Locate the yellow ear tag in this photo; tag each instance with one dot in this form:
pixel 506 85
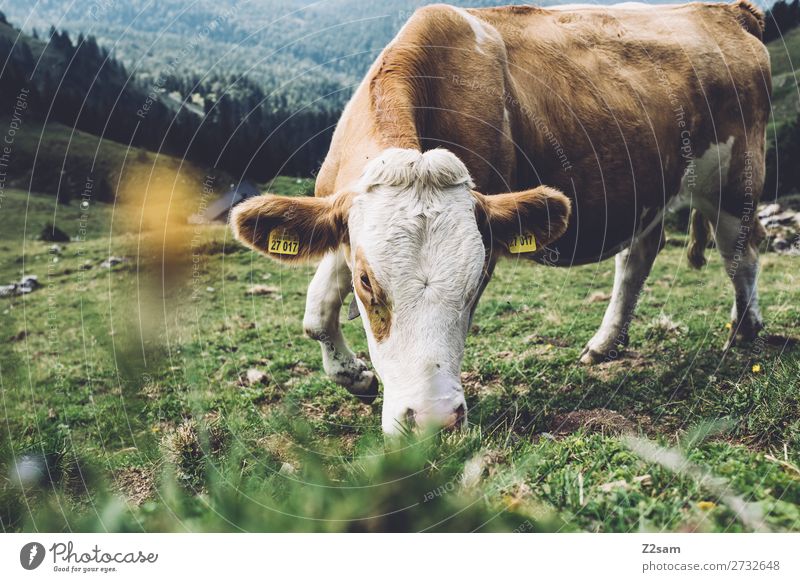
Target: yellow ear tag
pixel 283 242
pixel 522 243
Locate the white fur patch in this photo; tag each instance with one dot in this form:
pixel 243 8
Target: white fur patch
pixel 705 177
pixel 414 222
pixel 483 33
pixel 403 169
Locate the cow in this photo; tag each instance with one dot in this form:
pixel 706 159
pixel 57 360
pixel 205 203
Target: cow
pixel 559 135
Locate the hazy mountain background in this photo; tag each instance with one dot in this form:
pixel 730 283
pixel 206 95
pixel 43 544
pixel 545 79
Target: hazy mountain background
pixel 245 87
pixel 299 49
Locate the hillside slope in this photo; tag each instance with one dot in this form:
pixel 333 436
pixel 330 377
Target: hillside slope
pixel 57 159
pixel 293 47
pixel 785 57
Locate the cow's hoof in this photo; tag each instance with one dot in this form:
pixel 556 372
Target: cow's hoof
pixel 367 389
pixel 363 384
pixel 745 332
pixel 590 356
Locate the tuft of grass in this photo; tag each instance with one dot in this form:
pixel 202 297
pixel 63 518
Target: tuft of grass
pixel 192 445
pixel 767 406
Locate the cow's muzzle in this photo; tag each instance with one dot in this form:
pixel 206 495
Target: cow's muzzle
pixel 454 421
pixel 442 413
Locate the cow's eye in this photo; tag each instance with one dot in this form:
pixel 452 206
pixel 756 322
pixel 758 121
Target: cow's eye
pixel 365 282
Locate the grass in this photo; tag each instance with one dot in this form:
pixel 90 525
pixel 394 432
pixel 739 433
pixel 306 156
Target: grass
pixel 57 158
pixel 127 405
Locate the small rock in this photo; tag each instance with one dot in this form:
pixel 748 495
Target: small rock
pixel 287 469
pixel 769 210
pixel 597 297
pixel 781 220
pixel 787 217
pixel 51 233
pixel 30 281
pixel 262 290
pixel 26 285
pixel 608 487
pixel 255 376
pixel 112 261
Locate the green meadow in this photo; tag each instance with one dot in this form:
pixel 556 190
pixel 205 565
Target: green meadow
pixel 175 391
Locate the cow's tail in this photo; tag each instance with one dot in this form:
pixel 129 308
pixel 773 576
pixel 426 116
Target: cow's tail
pixel 751 18
pixel 698 239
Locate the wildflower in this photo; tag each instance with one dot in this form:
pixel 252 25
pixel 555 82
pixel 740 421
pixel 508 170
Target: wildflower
pixel 728 325
pixel 756 368
pixel 706 505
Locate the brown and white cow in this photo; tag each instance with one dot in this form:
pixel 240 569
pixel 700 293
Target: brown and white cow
pixel 572 127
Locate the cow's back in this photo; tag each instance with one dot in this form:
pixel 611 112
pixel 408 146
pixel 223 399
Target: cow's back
pixel 609 104
pixel 613 104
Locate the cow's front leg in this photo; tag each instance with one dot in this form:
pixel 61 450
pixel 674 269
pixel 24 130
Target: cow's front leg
pixel 632 266
pixel 328 289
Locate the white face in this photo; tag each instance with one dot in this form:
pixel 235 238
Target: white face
pixel 418 260
pixel 416 237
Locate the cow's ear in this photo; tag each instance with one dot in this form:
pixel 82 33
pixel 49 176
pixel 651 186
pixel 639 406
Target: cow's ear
pixel 292 229
pixel 520 222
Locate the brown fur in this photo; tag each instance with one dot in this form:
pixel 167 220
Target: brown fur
pixel 320 223
pixel 751 18
pixel 582 100
pixel 379 312
pixel 542 211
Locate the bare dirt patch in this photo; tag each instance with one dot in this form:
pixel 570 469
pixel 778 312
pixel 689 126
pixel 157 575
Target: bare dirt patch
pixel 135 483
pixel 598 420
pixel 626 362
pixel 474 387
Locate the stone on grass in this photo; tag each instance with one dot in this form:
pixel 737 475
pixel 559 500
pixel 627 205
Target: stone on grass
pixel 262 290
pixel 255 376
pixel 112 262
pixel 26 285
pixel 51 233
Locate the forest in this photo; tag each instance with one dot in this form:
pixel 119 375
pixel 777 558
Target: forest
pixel 225 89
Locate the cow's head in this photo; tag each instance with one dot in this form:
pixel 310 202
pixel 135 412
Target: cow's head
pixel 418 240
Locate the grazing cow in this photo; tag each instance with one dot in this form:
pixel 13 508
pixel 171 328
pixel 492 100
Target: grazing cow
pixel 555 134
